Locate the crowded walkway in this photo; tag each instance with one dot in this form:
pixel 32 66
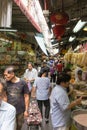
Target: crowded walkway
pixel 51 96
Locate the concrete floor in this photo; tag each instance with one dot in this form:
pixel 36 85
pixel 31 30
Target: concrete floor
pixel 44 126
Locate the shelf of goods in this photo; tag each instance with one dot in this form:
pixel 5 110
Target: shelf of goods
pixel 15 53
pixel 9 59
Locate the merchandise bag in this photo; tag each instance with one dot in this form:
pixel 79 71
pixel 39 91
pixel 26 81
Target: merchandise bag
pixel 29 86
pixel 35 117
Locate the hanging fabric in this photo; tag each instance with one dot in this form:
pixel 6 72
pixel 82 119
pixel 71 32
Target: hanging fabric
pixel 5 13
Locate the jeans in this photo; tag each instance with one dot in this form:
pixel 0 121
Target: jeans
pixel 19 120
pixel 53 78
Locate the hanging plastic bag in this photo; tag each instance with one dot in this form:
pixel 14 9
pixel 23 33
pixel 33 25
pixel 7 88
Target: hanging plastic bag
pixel 29 86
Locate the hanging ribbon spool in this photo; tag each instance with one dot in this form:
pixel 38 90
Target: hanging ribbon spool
pixel 23 36
pixel 59 30
pixel 59 38
pixel 60 18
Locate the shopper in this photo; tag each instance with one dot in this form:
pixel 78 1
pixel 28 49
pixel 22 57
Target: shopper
pixel 53 74
pixel 30 74
pixel 79 76
pixel 67 71
pixel 76 71
pixel 79 84
pixel 42 89
pixel 45 67
pixel 59 67
pixel 7 111
pixel 17 94
pixel 70 88
pixel 60 104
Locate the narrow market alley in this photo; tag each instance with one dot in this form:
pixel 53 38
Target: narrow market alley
pixel 43 64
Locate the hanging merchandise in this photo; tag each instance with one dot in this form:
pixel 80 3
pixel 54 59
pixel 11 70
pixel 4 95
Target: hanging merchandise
pixel 59 30
pixel 60 18
pixel 5 13
pixel 17 45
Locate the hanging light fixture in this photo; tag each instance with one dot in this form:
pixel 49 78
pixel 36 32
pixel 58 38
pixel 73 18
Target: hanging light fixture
pixel 85 28
pixel 61 17
pixel 72 38
pixel 7 30
pixel 79 26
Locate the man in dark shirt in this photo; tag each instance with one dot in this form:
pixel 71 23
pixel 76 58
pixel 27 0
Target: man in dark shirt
pixel 17 94
pixel 7 111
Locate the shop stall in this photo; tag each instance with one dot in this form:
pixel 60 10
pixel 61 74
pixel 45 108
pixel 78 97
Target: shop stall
pixel 14 52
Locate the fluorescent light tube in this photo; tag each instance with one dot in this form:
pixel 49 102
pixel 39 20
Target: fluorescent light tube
pixel 85 28
pixel 8 30
pixel 55 44
pixel 40 41
pixel 79 26
pixel 77 48
pixel 72 38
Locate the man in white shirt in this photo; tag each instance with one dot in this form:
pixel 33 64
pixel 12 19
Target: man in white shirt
pixel 60 104
pixel 7 111
pixel 30 74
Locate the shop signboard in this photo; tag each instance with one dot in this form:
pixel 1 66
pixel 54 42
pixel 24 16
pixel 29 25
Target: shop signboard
pixel 28 8
pixel 44 27
pixel 33 11
pixel 40 41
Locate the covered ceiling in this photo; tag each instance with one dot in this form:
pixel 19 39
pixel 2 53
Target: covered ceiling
pixel 76 9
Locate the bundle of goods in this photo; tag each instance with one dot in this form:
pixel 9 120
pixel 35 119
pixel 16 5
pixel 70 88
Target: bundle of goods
pixel 79 93
pixel 35 117
pixel 68 56
pixel 84 58
pixel 84 102
pixel 81 85
pixel 80 90
pixel 79 59
pixel 74 58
